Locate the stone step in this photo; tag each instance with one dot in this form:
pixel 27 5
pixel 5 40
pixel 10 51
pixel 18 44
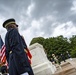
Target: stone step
pixel 63 66
pixel 74 73
pixel 66 64
pixel 66 71
pixel 70 71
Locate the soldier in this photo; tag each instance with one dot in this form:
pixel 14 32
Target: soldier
pixel 52 60
pixel 16 57
pixel 68 55
pixel 63 57
pixel 56 60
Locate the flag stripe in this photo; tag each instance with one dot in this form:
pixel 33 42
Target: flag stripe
pixel 2 52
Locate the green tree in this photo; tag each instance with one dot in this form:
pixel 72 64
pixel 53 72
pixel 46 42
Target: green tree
pixel 37 40
pixel 73 52
pixel 54 45
pixel 73 45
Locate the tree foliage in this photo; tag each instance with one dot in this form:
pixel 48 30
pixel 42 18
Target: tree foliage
pixel 73 45
pixel 37 40
pixel 57 45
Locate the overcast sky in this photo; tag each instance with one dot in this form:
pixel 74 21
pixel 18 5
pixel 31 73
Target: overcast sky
pixel 45 18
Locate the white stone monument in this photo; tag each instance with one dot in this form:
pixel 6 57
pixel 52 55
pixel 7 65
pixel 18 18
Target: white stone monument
pixel 40 64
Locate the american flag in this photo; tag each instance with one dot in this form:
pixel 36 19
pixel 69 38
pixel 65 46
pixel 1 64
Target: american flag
pixel 2 51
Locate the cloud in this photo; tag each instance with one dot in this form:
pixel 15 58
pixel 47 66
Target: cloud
pixel 67 29
pixel 73 8
pixel 30 9
pixel 2 30
pixel 57 8
pixel 44 18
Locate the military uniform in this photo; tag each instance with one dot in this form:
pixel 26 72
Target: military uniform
pixel 16 57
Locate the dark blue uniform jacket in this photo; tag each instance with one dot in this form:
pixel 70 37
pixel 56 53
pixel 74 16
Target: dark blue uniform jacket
pixel 18 57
